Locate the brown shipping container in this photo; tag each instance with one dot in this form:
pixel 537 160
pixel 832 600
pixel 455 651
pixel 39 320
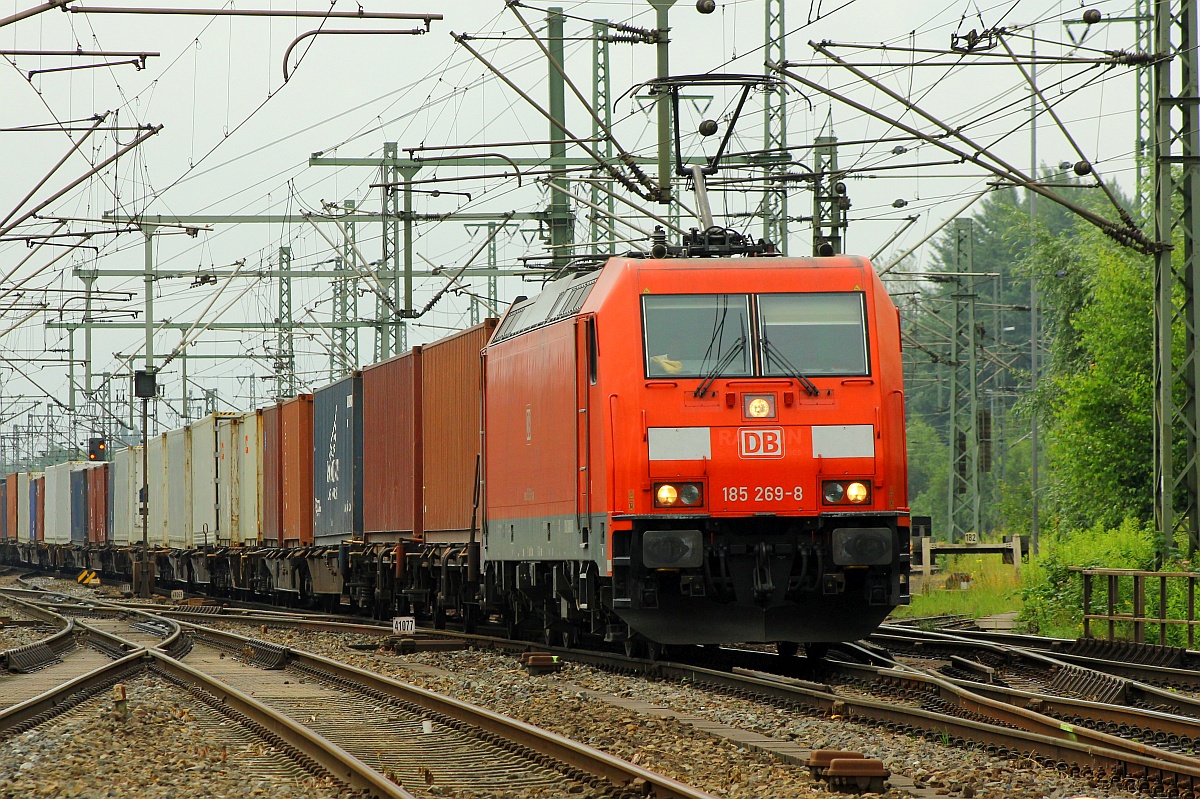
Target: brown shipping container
pixel 97 508
pixel 451 394
pixel 39 491
pixel 297 484
pixel 392 448
pixel 271 441
pixel 10 510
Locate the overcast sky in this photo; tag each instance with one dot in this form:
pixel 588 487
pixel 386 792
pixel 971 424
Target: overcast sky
pixel 237 139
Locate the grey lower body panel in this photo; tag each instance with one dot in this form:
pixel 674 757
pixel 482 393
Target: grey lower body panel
pixel 821 619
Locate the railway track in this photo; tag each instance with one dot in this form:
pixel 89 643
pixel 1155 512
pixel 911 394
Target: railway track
pixel 1007 702
pixel 1131 745
pixel 368 731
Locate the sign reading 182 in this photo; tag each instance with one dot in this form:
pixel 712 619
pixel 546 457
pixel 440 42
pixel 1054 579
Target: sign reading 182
pixel 762 493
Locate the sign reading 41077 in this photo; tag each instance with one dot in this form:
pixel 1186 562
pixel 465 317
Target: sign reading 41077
pixel 404 625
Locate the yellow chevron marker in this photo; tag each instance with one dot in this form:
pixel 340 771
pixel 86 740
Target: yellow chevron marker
pixel 87 577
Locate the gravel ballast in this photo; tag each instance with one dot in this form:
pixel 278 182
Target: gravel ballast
pixel 170 746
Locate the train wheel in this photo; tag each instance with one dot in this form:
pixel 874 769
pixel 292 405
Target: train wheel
pixel 787 649
pixel 816 652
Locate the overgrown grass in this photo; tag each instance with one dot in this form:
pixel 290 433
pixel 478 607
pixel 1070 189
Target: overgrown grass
pixel 994 589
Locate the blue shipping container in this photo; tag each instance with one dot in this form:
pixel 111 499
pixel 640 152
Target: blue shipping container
pixel 337 461
pixel 79 507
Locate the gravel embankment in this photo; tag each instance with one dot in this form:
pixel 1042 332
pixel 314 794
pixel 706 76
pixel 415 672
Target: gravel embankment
pixel 171 746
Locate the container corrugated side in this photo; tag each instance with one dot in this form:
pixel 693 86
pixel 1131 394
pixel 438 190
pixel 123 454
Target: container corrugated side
pixel 125 474
pixel 228 441
pixel 37 507
pixel 58 504
pixel 205 525
pixel 4 509
pixel 79 505
pixel 451 397
pixel 26 529
pixel 392 466
pixel 156 482
pixel 97 503
pixel 271 441
pixel 338 461
pixel 297 484
pixel 179 488
pixel 250 488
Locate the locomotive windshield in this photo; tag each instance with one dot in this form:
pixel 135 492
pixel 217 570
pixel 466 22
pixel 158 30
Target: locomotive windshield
pixel 816 334
pixel 708 335
pixel 690 335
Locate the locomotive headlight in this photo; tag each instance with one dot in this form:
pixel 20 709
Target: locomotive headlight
pixel 833 493
pixel 858 493
pixel 672 549
pixel 759 406
pixel 690 494
pixel 671 495
pixel 854 492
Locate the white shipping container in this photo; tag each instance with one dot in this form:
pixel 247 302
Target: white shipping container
pixel 58 503
pixel 157 464
pixel 125 475
pixel 249 471
pixel 228 441
pixel 179 488
pixel 211 442
pixel 25 522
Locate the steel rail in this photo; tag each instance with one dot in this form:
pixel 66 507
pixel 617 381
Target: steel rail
pixel 35 655
pixel 1149 674
pixel 38 709
pixel 331 757
pixel 1060 743
pixel 169 643
pixel 562 749
pixel 1045 713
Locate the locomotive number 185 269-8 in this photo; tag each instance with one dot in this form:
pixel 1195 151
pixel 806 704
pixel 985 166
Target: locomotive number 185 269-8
pixel 762 493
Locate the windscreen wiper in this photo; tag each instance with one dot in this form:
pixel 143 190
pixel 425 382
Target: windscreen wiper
pixel 734 350
pixel 773 354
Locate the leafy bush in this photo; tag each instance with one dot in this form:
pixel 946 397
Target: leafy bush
pixel 1053 594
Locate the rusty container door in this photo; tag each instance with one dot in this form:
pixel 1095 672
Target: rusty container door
pixel 271 439
pixel 338 462
pixel 10 509
pixel 4 509
pixel 392 465
pixel 451 403
pixel 97 503
pixel 297 483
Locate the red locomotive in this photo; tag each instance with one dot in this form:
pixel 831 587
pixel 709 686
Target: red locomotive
pixel 699 450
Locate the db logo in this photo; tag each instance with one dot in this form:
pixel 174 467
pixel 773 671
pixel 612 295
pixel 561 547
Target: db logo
pixel 760 442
